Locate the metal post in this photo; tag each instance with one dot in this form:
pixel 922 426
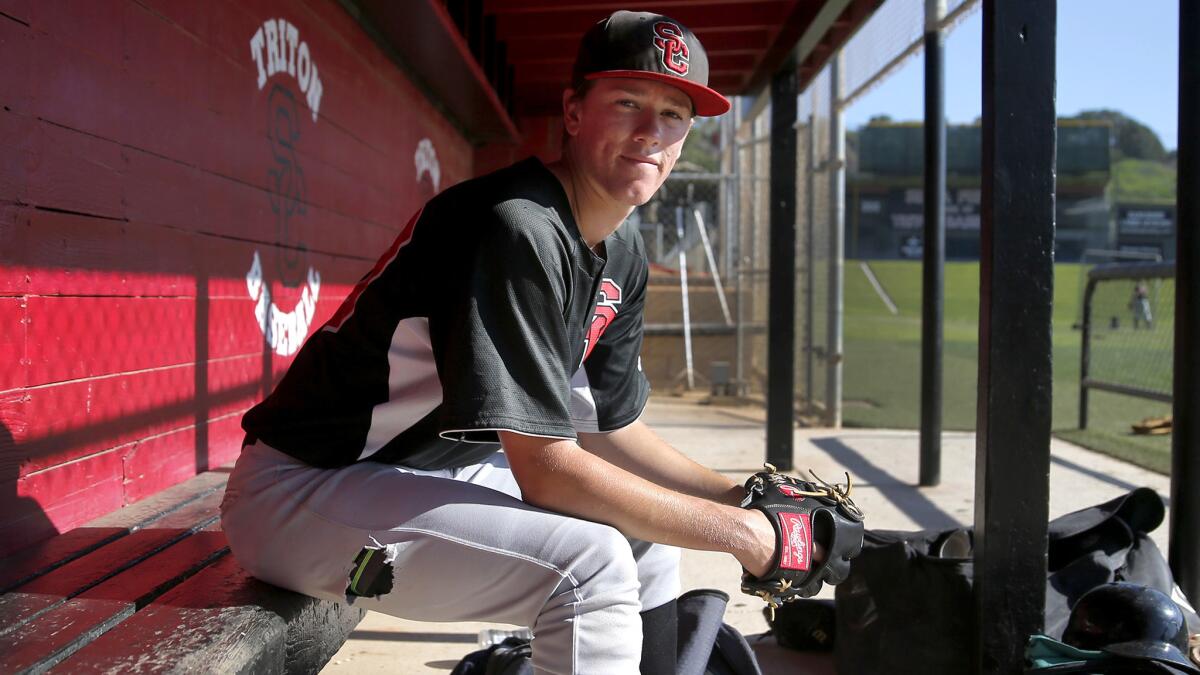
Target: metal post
pixel 730 216
pixel 934 264
pixel 740 339
pixel 1085 353
pixel 751 256
pixel 837 245
pixel 781 322
pixel 702 228
pixel 1185 447
pixel 680 233
pixel 810 262
pixel 1012 452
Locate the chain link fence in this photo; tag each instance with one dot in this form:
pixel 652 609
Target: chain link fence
pixel 690 322
pixel 708 238
pixel 893 34
pixel 1128 332
pixel 707 232
pixel 814 209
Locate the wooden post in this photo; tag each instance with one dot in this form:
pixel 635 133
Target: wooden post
pixel 1012 465
pixel 934 247
pixel 1184 552
pixel 781 324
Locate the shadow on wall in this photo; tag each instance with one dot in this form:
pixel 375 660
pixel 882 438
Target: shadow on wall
pixel 25 520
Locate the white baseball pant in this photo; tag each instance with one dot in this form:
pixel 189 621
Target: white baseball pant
pixel 462 546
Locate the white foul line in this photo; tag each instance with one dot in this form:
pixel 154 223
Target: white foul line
pixel 866 269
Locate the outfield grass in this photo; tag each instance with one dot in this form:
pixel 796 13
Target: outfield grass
pixel 883 356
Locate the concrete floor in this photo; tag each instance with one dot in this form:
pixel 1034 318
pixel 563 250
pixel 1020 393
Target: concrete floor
pixel 883 465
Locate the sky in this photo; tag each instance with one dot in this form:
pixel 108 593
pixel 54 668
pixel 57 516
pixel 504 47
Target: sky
pixel 1117 54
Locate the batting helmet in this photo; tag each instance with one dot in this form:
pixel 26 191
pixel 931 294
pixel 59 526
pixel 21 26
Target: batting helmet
pixel 1131 621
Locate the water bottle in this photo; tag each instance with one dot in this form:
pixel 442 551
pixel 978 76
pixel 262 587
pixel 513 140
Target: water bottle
pixel 494 636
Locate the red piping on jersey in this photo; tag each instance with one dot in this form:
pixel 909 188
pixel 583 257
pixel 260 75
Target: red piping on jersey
pixel 346 310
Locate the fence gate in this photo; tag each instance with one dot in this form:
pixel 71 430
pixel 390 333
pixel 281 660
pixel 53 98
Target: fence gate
pixel 1128 332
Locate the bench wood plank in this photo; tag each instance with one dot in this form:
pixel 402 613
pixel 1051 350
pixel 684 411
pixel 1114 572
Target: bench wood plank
pixel 48 591
pixel 152 588
pixel 58 633
pixel 221 620
pixel 30 563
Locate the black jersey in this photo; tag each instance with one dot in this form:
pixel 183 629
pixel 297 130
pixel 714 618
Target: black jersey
pixel 489 312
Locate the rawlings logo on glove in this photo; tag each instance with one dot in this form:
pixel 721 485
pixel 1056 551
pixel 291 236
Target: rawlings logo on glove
pixel 796 552
pixel 804 513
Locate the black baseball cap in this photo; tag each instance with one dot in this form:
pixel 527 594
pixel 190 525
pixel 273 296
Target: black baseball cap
pixel 646 46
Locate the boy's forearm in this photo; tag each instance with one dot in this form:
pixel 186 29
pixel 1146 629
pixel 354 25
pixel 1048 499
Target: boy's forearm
pixel 638 450
pixel 566 478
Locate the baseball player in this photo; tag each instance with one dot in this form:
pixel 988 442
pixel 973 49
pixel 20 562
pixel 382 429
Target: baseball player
pixel 506 315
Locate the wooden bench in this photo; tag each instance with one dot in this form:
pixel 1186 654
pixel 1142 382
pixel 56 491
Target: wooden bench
pixel 152 588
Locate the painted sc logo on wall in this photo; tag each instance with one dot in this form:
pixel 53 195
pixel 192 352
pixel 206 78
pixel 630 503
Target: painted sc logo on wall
pixel 276 49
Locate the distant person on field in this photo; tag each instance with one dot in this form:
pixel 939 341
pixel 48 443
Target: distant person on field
pixel 1139 304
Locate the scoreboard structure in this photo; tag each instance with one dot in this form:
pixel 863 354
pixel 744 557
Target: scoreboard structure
pixel 885 198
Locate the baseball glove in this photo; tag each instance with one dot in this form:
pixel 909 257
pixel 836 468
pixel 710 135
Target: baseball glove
pixel 804 513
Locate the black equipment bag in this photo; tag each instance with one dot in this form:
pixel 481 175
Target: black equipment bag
pixel 906 606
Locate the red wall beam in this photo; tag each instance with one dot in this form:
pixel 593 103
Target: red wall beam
pixel 760 14
pixel 600 8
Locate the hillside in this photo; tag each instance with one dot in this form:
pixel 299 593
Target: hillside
pixel 1139 181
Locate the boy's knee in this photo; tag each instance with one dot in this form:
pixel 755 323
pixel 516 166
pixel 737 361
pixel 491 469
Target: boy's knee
pixel 658 574
pixel 609 552
pixel 599 573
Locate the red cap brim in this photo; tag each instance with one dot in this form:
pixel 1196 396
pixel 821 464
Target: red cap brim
pixel 708 103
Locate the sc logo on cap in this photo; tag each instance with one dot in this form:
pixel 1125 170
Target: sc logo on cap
pixel 669 40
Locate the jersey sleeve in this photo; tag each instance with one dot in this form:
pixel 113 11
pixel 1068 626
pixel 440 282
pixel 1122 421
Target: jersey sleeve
pixel 500 337
pixel 610 390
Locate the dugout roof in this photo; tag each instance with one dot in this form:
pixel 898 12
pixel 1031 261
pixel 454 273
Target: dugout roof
pixel 490 62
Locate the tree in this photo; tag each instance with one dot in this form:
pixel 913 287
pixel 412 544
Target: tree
pixel 1132 138
pixel 702 147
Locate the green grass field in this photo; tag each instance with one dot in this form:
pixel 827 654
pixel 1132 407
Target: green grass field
pixel 882 366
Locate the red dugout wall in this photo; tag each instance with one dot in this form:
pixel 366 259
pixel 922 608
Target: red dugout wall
pixel 175 217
